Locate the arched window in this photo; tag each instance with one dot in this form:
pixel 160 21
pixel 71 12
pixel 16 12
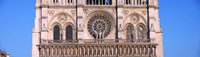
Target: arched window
pixel 69 33
pixel 56 33
pixel 129 33
pixel 110 2
pixel 138 2
pixel 104 2
pixel 69 1
pixel 55 1
pixel 128 2
pixel 140 32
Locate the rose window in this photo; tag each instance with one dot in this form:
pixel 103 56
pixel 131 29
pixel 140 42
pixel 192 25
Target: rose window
pixel 99 26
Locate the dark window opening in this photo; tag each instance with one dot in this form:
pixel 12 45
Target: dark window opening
pixel 128 2
pixel 69 1
pixel 104 2
pixel 56 33
pixel 69 33
pixel 96 2
pixel 55 1
pixel 99 2
pixel 140 32
pixel 129 33
pixel 110 2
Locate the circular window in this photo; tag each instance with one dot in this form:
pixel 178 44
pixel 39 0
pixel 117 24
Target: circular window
pixel 99 26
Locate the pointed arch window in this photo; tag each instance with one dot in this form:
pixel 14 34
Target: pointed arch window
pixel 129 33
pixel 128 2
pixel 140 32
pixel 56 33
pixel 69 33
pixel 70 1
pixel 55 1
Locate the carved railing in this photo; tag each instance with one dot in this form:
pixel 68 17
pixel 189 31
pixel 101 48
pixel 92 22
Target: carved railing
pixel 90 48
pixel 58 2
pixel 137 2
pixel 98 41
pixel 96 2
pixel 99 2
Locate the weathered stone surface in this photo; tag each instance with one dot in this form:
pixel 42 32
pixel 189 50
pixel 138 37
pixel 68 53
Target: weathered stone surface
pixel 63 13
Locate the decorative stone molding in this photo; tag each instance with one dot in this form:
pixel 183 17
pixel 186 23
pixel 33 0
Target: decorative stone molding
pixel 73 12
pixel 85 11
pixel 62 18
pixel 80 27
pixel 51 12
pixel 134 18
pixel 152 28
pixel 63 13
pixel 99 26
pixel 125 12
pixel 143 12
pixel 120 27
pixel 44 28
pixel 113 11
pixel 105 50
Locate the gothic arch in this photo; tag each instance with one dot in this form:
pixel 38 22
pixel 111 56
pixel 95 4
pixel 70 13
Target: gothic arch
pixel 56 33
pixel 69 23
pixel 141 17
pixel 138 26
pixel 94 12
pixel 72 33
pixel 141 24
pixel 54 24
pixel 61 13
pixel 130 25
pixel 129 32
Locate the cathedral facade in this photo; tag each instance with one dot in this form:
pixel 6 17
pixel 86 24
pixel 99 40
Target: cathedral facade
pixel 97 28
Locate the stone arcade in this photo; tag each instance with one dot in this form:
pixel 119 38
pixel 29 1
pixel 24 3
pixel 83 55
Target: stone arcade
pixel 96 28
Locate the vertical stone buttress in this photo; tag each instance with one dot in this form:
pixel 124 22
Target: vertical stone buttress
pixel 36 31
pixel 155 28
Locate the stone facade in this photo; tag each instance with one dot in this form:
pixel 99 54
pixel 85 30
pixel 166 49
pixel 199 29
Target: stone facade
pixel 88 28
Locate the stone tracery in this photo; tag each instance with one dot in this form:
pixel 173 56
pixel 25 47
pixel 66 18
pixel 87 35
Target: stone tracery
pixel 62 18
pixel 99 26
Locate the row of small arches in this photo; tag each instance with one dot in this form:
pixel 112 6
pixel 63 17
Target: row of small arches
pixel 105 2
pixel 58 36
pixel 131 32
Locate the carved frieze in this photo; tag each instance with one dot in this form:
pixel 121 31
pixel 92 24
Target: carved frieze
pixel 85 11
pixel 62 18
pixel 125 12
pixel 143 12
pixel 134 18
pixel 73 12
pixel 113 11
pixel 51 12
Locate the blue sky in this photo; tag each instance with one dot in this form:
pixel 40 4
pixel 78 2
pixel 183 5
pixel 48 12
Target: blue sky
pixel 179 20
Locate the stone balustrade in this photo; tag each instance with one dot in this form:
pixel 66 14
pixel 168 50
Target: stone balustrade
pixel 58 2
pixel 134 2
pixel 100 2
pixel 96 49
pixel 95 2
pixel 98 41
